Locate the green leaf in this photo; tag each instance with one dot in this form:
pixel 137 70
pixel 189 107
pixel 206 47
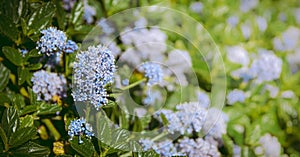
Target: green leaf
pixel 4 76
pixel 31 149
pixel 28 109
pixel 13 55
pixel 32 53
pixel 4 99
pixel 103 129
pixel 10 121
pixel 146 154
pixel 21 136
pixel 40 18
pixel 3 137
pixel 45 109
pixel 8 28
pixel 17 100
pixel 119 136
pixel 60 14
pixel 77 13
pixel 35 66
pixel 85 149
pixel 26 121
pixel 22 74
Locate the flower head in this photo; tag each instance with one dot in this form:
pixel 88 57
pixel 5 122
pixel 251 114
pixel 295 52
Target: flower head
pixel 198 147
pixel 235 96
pixel 152 72
pixel 46 85
pixel 52 41
pixel 70 46
pixel 93 70
pixel 80 127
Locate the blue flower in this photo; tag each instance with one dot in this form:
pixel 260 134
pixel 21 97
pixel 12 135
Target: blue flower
pixel 70 47
pixel 93 70
pixel 152 72
pixel 198 147
pixel 46 85
pixel 80 127
pixel 52 41
pixel 235 96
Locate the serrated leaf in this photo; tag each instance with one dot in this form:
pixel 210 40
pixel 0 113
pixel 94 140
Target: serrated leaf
pixel 13 55
pixel 85 149
pixel 77 13
pixel 22 75
pixel 10 121
pixel 21 136
pixel 103 129
pixel 30 149
pixel 40 18
pixel 4 76
pixel 26 121
pixel 45 109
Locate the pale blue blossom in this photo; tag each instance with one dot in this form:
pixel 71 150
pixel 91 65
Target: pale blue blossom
pixel 79 127
pixel 105 26
pixel 47 84
pixel 261 23
pixel 93 70
pixel 246 29
pixel 266 67
pixel 196 7
pixel 52 41
pixel 70 47
pixel 297 15
pixel 153 73
pixel 288 41
pixel 237 54
pixel 247 5
pixel 197 148
pixel 233 20
pixel 215 124
pixel 235 96
pixel 269 146
pixel 89 12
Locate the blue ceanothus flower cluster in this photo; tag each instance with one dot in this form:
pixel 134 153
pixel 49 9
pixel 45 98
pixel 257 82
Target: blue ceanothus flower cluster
pixel 80 127
pixel 152 72
pixel 93 70
pixel 55 41
pixel 189 117
pixel 47 84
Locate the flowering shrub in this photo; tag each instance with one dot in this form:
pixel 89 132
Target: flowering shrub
pixel 149 78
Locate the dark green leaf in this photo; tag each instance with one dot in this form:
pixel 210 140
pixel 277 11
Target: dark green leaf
pixel 85 149
pixel 4 76
pixel 31 149
pixel 32 53
pixel 60 14
pixel 13 55
pixel 45 109
pixel 40 18
pixel 4 99
pixel 103 129
pixel 3 136
pixel 10 121
pixel 22 75
pixel 17 100
pixel 21 136
pixel 27 121
pixel 33 97
pixel 28 109
pixel 8 28
pixel 77 13
pixel 35 66
pixel 146 154
pixel 119 136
